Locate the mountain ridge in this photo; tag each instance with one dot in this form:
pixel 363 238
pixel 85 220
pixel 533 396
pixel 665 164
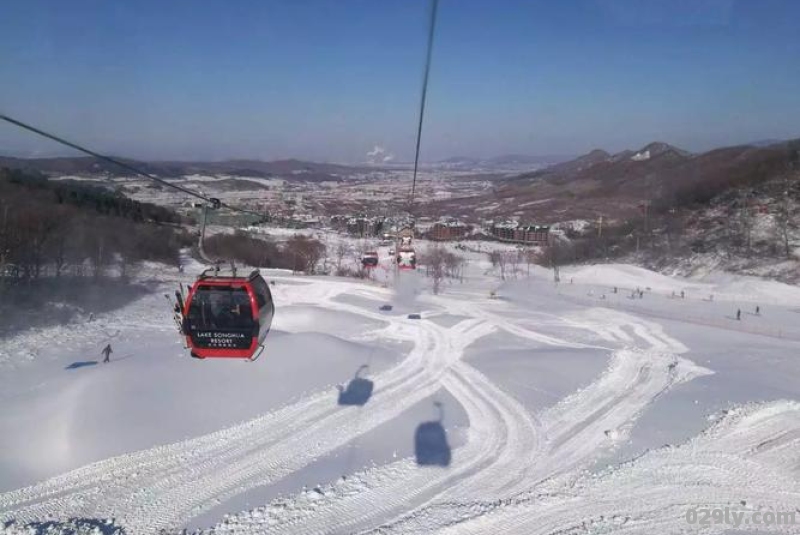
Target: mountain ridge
pixel 615 185
pixel 90 166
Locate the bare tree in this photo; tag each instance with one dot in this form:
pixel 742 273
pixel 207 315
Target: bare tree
pixel 340 252
pixel 528 257
pixel 746 220
pixel 674 229
pixel 513 261
pixel 305 252
pixel 454 266
pixel 357 255
pixel 554 256
pixel 434 259
pixel 785 218
pixel 60 247
pixel 499 260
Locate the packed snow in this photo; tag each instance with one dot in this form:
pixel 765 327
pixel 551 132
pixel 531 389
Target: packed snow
pixel 613 400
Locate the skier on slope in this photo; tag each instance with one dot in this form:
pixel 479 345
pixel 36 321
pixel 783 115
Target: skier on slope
pixel 739 314
pixel 107 353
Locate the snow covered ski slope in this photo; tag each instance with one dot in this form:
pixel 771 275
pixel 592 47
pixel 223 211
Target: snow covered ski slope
pixel 556 412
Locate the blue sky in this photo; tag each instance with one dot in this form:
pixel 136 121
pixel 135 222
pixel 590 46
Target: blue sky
pixel 330 79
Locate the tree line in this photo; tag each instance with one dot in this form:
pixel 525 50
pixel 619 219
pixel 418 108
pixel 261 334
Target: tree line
pixel 299 253
pixel 53 229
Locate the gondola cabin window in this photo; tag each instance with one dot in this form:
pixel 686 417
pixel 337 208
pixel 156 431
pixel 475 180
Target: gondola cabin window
pixel 221 308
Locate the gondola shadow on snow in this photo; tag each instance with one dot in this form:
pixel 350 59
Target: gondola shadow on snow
pixel 430 442
pixel 81 364
pixel 358 390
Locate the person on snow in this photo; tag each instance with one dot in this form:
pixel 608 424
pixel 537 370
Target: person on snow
pixel 758 310
pixel 739 314
pixel 107 353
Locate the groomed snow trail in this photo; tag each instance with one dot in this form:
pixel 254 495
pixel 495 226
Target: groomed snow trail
pixel 164 487
pixel 502 433
pixel 578 429
pixel 747 462
pixel 509 455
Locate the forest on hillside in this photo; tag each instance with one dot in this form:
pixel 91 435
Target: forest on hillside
pixel 54 229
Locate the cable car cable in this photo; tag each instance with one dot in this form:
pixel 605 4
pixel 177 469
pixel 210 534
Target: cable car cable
pixel 242 341
pixel 431 31
pixel 211 200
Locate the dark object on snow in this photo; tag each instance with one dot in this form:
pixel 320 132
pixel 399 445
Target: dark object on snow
pixel 414 317
pixel 386 307
pixel 106 352
pixel 682 295
pixel 73 525
pixel 358 390
pixel 739 314
pixel 370 259
pixel 80 364
pixel 758 310
pixel 430 443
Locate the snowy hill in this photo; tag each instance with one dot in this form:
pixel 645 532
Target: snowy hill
pixel 614 185
pixel 553 405
pixel 753 231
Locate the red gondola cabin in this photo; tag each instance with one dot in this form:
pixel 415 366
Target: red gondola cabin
pixel 227 316
pixel 406 258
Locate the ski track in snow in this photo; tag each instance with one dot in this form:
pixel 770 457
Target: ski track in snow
pixel 163 487
pixel 516 473
pixel 507 451
pixel 501 433
pixel 748 461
